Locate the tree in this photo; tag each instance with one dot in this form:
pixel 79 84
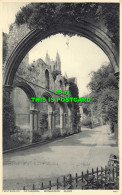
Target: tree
pixel 44 15
pixel 104 94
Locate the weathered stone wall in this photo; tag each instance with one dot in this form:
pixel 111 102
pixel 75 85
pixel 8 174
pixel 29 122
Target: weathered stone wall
pixel 48 115
pixel 21 106
pixel 16 34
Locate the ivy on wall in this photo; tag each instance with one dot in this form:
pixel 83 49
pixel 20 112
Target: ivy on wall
pixel 55 73
pixel 44 122
pixel 8 118
pixel 75 108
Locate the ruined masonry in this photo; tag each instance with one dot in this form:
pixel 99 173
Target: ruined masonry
pixel 41 120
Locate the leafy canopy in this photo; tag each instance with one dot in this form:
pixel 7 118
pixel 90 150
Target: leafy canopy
pixel 44 15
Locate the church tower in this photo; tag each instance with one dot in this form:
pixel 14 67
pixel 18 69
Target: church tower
pixel 58 62
pixel 47 59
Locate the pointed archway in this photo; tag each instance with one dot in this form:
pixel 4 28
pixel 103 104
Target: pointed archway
pixel 83 28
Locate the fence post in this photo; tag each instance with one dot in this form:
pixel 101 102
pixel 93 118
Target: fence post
pixel 71 181
pixel 92 171
pixel 97 173
pixel 42 186
pixel 87 172
pixel 101 174
pixel 33 186
pixel 57 183
pixel 24 188
pixel 82 176
pixel 116 172
pixel 105 176
pixel 64 181
pixel 82 179
pixel 76 179
pixel 113 174
pixel 49 185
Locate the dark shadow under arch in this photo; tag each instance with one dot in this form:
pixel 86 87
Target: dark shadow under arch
pixel 46 95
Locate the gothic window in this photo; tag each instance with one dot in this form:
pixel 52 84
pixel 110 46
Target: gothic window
pixel 61 84
pixel 47 79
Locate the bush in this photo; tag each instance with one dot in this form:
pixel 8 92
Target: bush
pixel 10 144
pixel 87 121
pixel 22 135
pixel 44 122
pixel 8 118
pixel 56 133
pixel 36 137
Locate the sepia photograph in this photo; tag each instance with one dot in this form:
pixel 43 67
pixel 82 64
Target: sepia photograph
pixel 60 96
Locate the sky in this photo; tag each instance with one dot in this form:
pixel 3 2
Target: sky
pixel 79 56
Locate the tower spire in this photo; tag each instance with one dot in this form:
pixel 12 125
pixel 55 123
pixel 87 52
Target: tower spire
pixel 58 62
pixel 47 59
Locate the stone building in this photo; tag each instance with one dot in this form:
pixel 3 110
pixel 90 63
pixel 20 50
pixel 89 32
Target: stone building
pixel 40 120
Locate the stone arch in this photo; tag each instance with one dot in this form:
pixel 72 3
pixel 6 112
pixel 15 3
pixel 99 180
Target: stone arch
pixel 28 124
pixel 28 90
pixel 83 28
pixel 48 95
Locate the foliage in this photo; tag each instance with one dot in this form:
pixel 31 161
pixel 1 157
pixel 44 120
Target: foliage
pixel 5 47
pixel 8 123
pixel 12 143
pixel 86 111
pixel 21 135
pixel 55 73
pixel 36 137
pixel 104 94
pixel 44 15
pixel 44 122
pixel 56 133
pixel 110 13
pixel 87 121
pixel 75 110
pixel 8 116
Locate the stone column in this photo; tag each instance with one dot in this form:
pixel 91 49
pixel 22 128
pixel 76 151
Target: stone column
pixel 69 123
pixel 64 120
pixel 50 123
pixel 61 120
pixel 53 121
pixel 92 119
pixel 69 119
pixel 33 121
pixel 7 89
